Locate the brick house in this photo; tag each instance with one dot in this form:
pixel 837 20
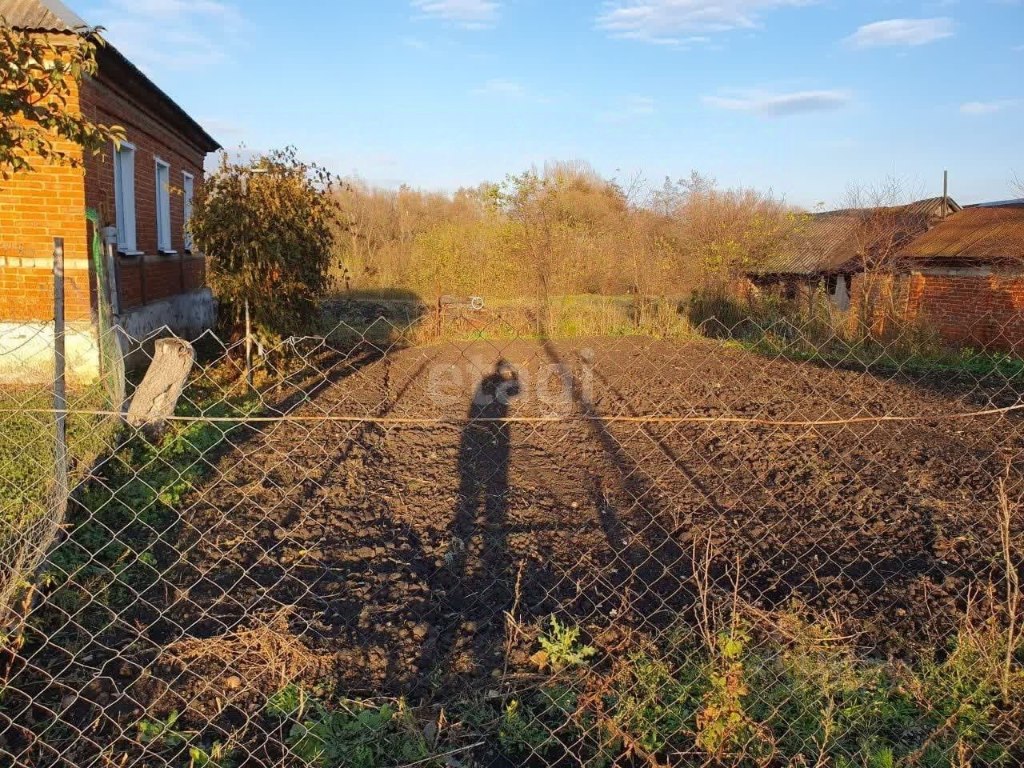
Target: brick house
pixel 144 188
pixel 964 279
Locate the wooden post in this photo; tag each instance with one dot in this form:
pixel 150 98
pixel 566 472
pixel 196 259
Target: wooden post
pixel 60 400
pixel 157 396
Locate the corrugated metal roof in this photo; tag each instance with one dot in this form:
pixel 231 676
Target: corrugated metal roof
pixel 40 15
pixel 841 241
pixel 982 235
pixel 1000 204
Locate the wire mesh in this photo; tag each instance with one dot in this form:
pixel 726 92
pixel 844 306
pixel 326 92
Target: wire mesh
pixel 479 538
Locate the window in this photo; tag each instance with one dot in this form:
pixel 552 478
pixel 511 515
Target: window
pixel 124 197
pixel 163 205
pixel 188 186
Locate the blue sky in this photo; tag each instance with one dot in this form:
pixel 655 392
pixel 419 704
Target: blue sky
pixel 805 97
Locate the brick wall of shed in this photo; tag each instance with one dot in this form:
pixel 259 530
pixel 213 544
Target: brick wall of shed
pixel 983 311
pixel 980 309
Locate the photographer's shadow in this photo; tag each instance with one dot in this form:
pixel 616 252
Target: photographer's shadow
pixel 473 589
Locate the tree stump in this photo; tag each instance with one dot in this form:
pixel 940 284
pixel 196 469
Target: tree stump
pixel 157 395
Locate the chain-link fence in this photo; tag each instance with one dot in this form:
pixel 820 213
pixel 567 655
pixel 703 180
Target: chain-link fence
pixel 451 538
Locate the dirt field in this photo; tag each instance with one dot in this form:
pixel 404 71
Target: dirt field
pixel 383 555
pixel 396 548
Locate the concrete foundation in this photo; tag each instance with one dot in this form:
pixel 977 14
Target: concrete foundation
pixel 186 316
pixel 26 349
pixel 26 353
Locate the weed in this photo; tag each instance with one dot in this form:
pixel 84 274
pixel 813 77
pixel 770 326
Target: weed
pixel 291 701
pixel 723 724
pixel 656 705
pixel 561 648
pixel 520 732
pixel 359 736
pixel 162 731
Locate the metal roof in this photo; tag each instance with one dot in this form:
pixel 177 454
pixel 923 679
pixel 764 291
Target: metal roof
pixel 1000 204
pixel 981 235
pixel 40 15
pixel 843 240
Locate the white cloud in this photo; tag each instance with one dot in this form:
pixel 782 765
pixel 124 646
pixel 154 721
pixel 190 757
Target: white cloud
pixel 781 104
pixel 902 32
pixel 470 14
pixel 679 22
pixel 170 34
pixel 978 108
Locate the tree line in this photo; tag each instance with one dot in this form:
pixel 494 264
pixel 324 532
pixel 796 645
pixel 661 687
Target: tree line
pixel 560 230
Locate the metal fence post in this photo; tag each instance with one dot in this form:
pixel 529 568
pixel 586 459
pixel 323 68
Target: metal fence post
pixel 248 346
pixel 60 402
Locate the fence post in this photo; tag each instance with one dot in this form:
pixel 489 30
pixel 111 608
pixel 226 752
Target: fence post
pixel 248 346
pixel 60 401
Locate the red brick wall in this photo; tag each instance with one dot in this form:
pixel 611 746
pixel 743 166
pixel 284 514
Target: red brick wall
pixel 52 200
pixel 144 280
pixel 975 310
pixel 26 293
pixel 965 308
pixel 36 207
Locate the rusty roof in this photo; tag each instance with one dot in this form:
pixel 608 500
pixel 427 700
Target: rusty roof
pixel 982 235
pixel 40 15
pixel 844 240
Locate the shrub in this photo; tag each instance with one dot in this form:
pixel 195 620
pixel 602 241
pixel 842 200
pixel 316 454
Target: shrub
pixel 267 228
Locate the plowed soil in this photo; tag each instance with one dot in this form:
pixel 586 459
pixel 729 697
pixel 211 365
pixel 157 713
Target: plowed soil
pixel 398 547
pixel 430 509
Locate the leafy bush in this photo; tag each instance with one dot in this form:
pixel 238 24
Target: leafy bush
pixel 267 228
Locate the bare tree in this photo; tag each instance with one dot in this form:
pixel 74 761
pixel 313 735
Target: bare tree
pixel 883 219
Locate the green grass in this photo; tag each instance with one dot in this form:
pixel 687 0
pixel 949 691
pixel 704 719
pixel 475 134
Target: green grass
pixel 27 430
pixel 124 519
pixel 349 318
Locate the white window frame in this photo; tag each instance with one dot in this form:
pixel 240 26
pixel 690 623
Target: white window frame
pixel 164 241
pixel 124 199
pixel 188 186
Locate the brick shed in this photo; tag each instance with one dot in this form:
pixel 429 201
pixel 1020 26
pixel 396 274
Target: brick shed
pixel 144 188
pixel 962 280
pixel 966 278
pixel 832 248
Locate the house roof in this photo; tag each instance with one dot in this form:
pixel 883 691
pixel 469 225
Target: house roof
pixel 54 16
pixel 980 235
pixel 840 241
pixel 1001 204
pixel 40 15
